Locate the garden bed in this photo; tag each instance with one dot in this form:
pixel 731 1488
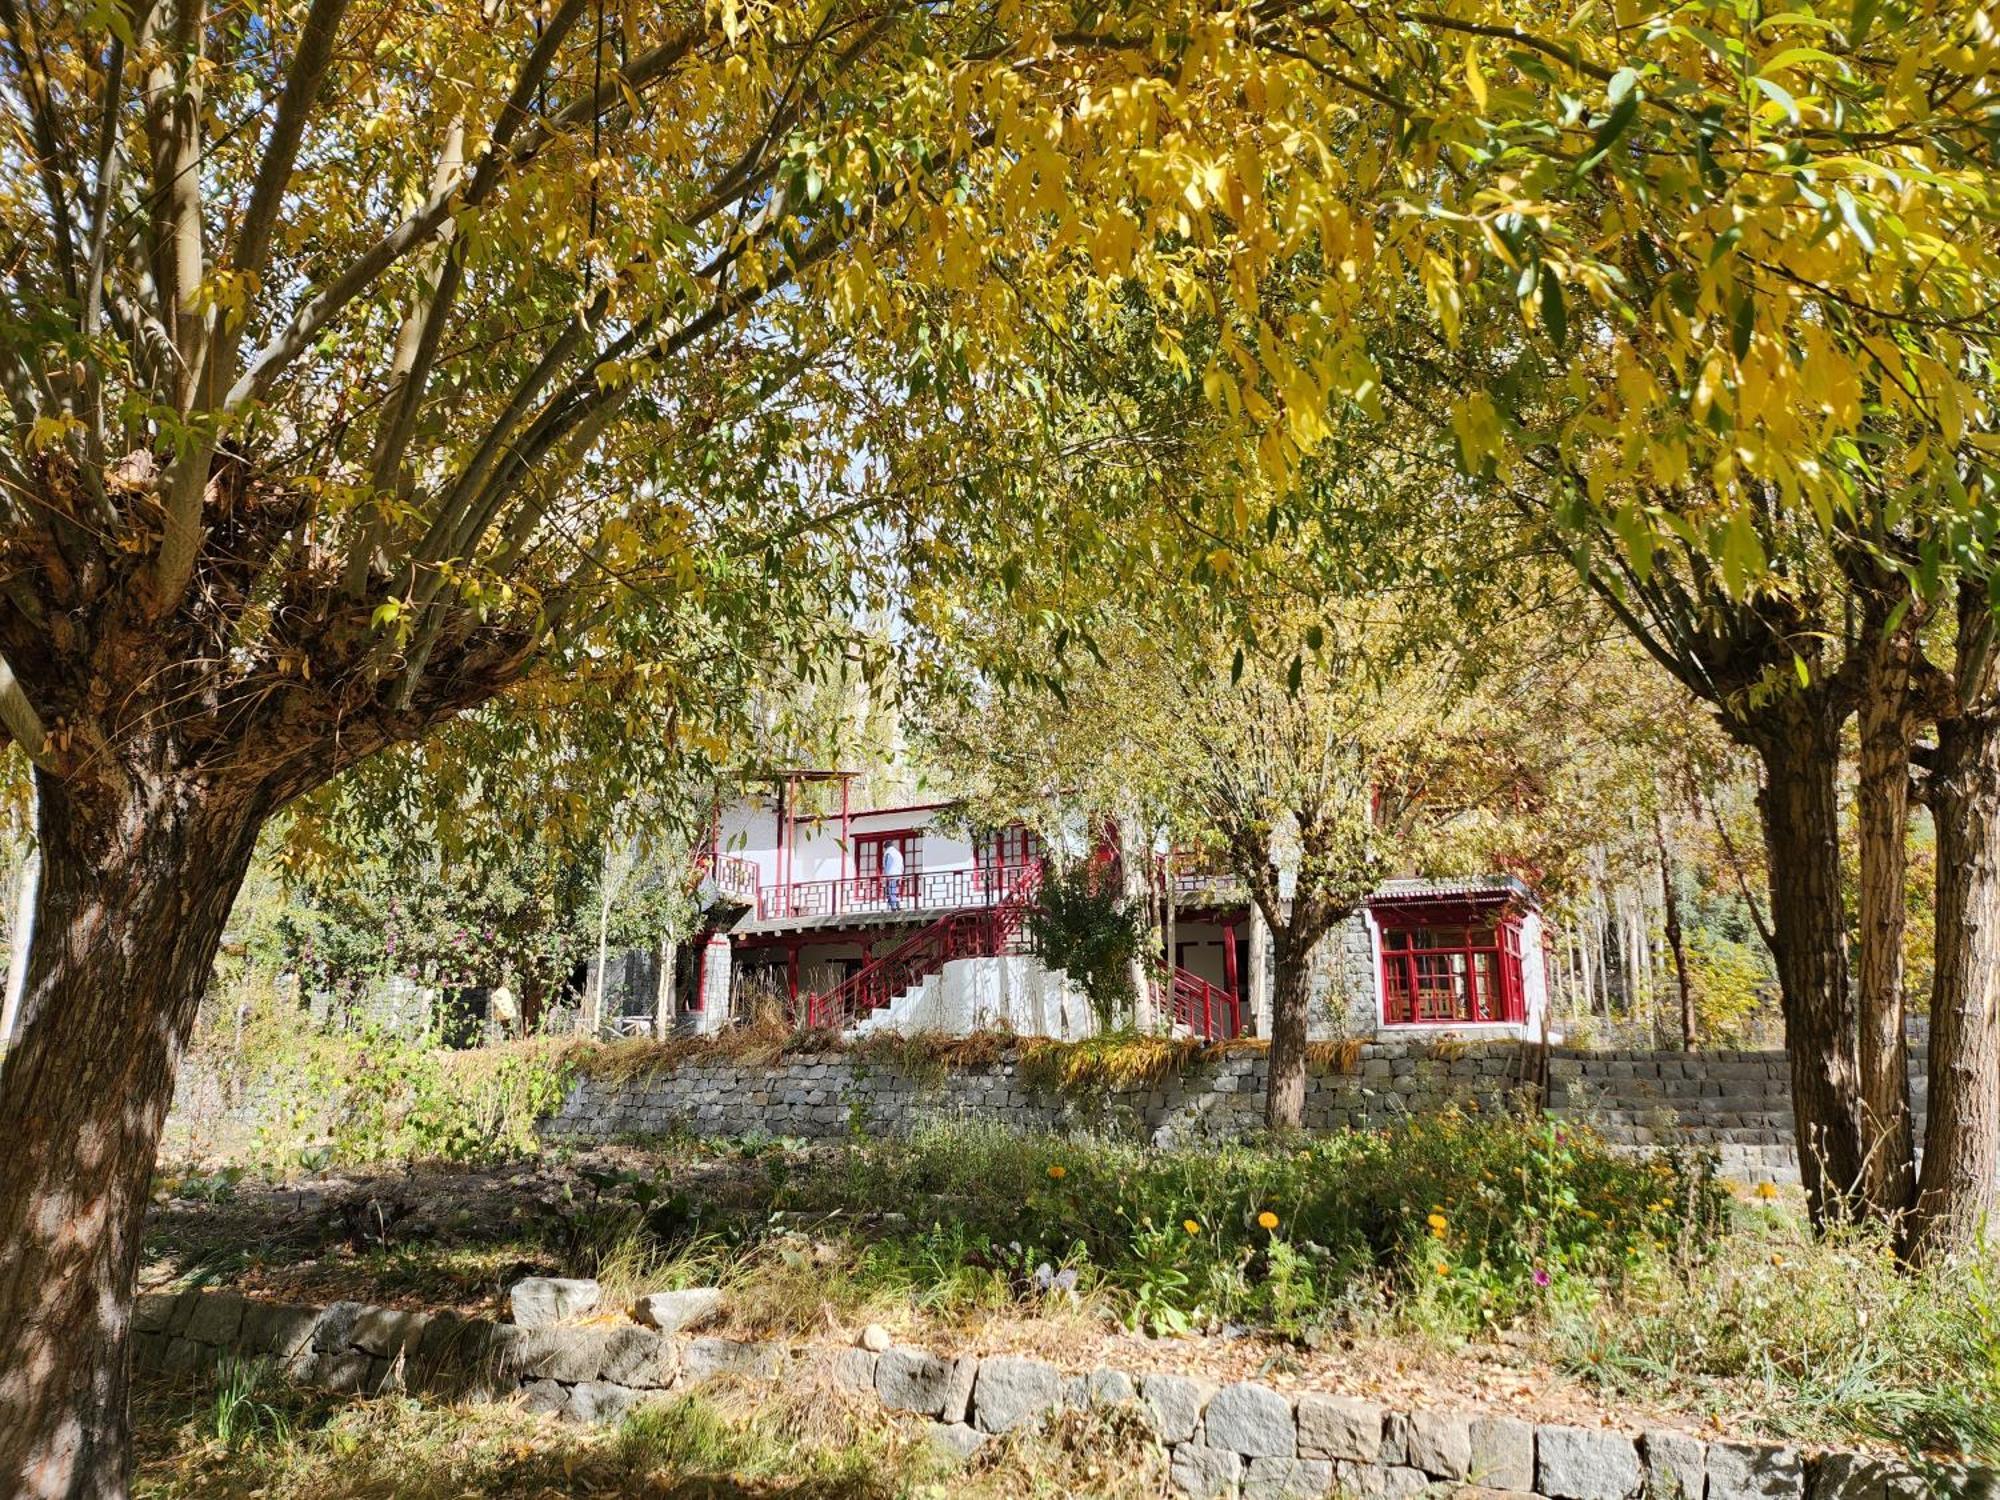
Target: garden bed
pixel 1563 1281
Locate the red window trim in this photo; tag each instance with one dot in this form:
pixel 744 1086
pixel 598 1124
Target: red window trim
pixel 912 840
pixel 1504 951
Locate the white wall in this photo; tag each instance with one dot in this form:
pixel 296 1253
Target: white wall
pixel 750 831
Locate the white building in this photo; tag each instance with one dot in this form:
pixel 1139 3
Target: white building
pixel 803 919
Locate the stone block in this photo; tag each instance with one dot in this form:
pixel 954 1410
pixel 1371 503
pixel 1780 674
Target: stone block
pixel 217 1319
pixel 565 1354
pixel 670 1312
pixel 1395 1450
pixel 639 1358
pixel 597 1401
pixel 1585 1463
pixel 912 1380
pixel 544 1396
pixel 1175 1403
pixel 1343 1427
pixel 1676 1466
pixel 1253 1420
pixel 1755 1471
pixel 386 1331
pixel 181 1312
pixel 539 1301
pixel 1370 1481
pixel 152 1311
pixel 280 1329
pixel 1440 1443
pixel 1107 1387
pixel 1204 1472
pixel 1287 1478
pixel 1502 1453
pixel 1009 1391
pixel 957 1409
pixel 344 1372
pixel 330 1334
pixel 854 1370
pixel 708 1359
pixel 1849 1476
pixel 957 1439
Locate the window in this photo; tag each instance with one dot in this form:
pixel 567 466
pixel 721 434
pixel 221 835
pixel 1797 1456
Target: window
pixel 1007 846
pixel 868 849
pixel 1440 972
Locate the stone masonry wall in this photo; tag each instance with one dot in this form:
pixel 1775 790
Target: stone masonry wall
pixel 1244 1440
pixel 1736 1104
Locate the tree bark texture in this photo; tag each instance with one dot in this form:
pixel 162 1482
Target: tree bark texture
pixel 1956 1188
pixel 1801 816
pixel 134 894
pixel 1882 809
pixel 1285 1103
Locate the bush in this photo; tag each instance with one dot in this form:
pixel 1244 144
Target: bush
pixel 1470 1219
pixel 1083 926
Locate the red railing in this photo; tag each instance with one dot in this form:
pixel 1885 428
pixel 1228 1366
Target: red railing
pixel 960 934
pixel 915 891
pixel 1204 1009
pixel 733 875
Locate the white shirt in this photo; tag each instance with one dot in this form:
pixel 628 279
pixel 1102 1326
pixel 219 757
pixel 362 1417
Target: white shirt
pixel 892 859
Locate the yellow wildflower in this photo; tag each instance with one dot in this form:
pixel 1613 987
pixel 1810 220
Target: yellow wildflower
pixel 1058 1173
pixel 1437 1223
pixel 1767 1190
pixel 1190 1226
pixel 1267 1219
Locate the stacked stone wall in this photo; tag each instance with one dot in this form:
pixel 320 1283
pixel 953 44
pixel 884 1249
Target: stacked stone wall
pixel 1246 1441
pixel 1737 1104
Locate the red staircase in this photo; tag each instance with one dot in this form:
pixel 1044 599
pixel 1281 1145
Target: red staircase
pixel 1204 1009
pixel 981 932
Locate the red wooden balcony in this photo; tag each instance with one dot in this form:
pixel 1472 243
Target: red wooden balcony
pixel 732 874
pixel 875 895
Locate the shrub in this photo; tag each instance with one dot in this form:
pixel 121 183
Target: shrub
pixel 1476 1219
pixel 1082 925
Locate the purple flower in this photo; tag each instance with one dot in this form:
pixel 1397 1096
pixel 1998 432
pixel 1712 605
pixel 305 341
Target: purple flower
pixel 1541 1277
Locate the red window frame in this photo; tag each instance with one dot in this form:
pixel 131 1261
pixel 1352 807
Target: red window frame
pixel 868 852
pixel 1006 848
pixel 1450 966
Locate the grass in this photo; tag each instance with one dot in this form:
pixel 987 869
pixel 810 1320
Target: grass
pixel 809 1444
pixel 1639 1278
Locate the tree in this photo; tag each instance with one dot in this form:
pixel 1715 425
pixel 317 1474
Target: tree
pixel 359 364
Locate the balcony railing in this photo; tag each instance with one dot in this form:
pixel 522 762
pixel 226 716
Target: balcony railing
pixel 874 895
pixel 732 874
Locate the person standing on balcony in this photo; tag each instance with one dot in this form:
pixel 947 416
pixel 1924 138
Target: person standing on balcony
pixel 892 874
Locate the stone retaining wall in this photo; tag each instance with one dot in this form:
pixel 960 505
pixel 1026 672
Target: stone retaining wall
pixel 1245 1440
pixel 1737 1104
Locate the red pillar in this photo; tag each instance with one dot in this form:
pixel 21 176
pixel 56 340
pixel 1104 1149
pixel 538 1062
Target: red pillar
pixel 792 972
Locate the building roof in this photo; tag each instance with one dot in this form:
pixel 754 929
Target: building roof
pixel 1457 888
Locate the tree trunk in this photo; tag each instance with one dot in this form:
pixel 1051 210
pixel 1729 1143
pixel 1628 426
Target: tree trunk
pixel 21 938
pixel 1670 904
pixel 136 887
pixel 1801 815
pixel 1882 811
pixel 1956 1189
pixel 1285 1104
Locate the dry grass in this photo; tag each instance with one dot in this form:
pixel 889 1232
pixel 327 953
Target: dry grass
pixel 807 1441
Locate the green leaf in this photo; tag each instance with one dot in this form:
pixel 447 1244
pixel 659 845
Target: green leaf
pixel 1742 322
pixel 1555 317
pixel 1779 95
